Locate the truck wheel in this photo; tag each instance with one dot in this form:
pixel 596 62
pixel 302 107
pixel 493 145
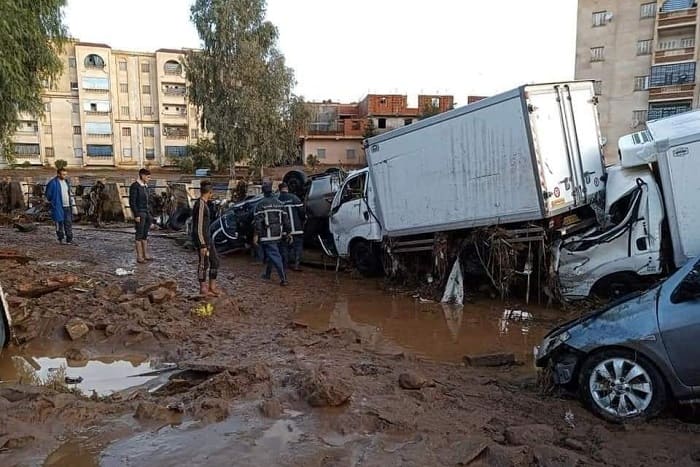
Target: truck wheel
pixel 296 182
pixel 365 258
pixel 620 385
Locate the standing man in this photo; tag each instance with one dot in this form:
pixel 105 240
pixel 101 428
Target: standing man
pixel 295 210
pixel 208 259
pixel 271 226
pixel 58 192
pixel 138 202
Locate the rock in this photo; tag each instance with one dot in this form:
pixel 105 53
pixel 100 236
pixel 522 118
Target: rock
pixel 160 295
pixel 111 292
pixel 76 328
pixel 494 359
pixel 110 330
pixel 467 451
pixel 529 435
pixel 151 411
pixel 411 381
pixel 271 408
pixel 211 409
pixel 552 456
pixel 77 355
pixel 145 290
pixel 322 390
pixel 574 444
pixel 43 287
pixel 369 369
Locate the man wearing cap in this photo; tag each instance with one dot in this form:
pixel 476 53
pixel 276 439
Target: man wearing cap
pixel 292 249
pixel 138 202
pixel 271 227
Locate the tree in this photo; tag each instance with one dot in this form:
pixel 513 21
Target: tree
pixel 312 161
pixel 32 35
pixel 240 82
pixel 429 110
pixel 370 130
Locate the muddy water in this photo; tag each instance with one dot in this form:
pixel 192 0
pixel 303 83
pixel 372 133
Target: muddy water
pixel 101 375
pixel 432 330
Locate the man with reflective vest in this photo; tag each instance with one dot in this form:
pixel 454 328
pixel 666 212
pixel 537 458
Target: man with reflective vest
pixel 271 227
pixel 292 250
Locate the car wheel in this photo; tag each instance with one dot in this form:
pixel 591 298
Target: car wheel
pixel 296 182
pixel 365 259
pixel 621 385
pixel 178 220
pixel 616 285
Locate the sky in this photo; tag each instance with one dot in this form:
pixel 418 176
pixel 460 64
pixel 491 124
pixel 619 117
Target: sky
pixel 342 50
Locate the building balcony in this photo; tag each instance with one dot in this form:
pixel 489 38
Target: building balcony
pixel 674 55
pixel 98 136
pixel 678 18
pixel 93 113
pixel 175 92
pixel 675 92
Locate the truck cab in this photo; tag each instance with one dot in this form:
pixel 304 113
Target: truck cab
pixel 353 224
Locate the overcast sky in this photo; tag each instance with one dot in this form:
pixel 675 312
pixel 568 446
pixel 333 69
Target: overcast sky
pixel 341 50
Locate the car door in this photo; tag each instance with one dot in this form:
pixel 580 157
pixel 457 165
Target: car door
pixel 679 321
pixel 349 214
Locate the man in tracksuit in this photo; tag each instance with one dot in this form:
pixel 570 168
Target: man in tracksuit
pixel 138 202
pixel 58 192
pixel 271 227
pixel 292 250
pixel 208 259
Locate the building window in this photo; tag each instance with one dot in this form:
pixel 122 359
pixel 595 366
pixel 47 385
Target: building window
pixel 668 75
pixel 644 47
pixel 320 153
pixel 48 151
pixel 78 153
pixel 407 121
pixel 122 65
pixel 47 129
pixel 381 123
pixel 71 62
pixel 47 107
pixel 173 68
pixel 597 54
pixel 148 132
pixel 125 110
pixel 150 154
pixel 148 110
pixel 194 133
pixel 75 107
pixel 96 84
pixel 176 151
pixel 146 89
pixel 94 61
pixel 74 85
pixel 126 153
pixel 598 88
pixel 126 131
pixel 639 117
pixel 124 87
pixel 674 44
pixel 98 128
pixel 99 150
pixel 26 150
pixel 666 109
pixel 350 154
pixel 76 130
pixel 648 10
pixel 641 83
pixel 600 18
pixel 145 67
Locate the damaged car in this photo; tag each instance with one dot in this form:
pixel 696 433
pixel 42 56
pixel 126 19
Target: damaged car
pixel 5 321
pixel 629 359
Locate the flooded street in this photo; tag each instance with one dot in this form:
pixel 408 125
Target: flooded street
pixel 121 369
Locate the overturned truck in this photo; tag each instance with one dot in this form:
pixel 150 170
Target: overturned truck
pixel 492 184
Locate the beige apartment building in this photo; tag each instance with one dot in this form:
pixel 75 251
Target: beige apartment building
pixel 642 56
pixel 111 108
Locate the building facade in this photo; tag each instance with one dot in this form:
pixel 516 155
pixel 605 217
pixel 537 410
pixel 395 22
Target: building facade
pixel 642 56
pixel 335 133
pixel 111 108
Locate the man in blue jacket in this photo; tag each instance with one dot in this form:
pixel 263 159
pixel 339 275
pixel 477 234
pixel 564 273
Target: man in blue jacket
pixel 58 192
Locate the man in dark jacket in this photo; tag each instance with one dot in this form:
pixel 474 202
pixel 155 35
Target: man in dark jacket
pixel 292 250
pixel 58 192
pixel 271 227
pixel 138 202
pixel 208 259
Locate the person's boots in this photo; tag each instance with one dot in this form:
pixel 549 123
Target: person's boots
pixel 203 289
pixel 146 256
pixel 213 289
pixel 139 252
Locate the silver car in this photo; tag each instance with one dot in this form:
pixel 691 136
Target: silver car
pixel 629 359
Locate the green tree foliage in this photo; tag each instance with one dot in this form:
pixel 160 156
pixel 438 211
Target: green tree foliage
pixel 370 130
pixel 60 164
pixel 240 82
pixel 32 35
pixel 429 110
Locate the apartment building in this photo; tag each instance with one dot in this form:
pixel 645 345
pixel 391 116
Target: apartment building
pixel 111 108
pixel 335 132
pixel 642 56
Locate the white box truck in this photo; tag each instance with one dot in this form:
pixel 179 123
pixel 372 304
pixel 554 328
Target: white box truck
pixel 652 211
pixel 529 160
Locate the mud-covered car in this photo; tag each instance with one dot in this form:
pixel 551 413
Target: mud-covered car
pixel 629 359
pixel 5 321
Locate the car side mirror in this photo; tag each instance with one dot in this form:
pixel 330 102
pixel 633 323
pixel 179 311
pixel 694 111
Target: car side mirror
pixel 689 288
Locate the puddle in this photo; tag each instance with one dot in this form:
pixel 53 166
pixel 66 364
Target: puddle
pixel 103 376
pixel 432 330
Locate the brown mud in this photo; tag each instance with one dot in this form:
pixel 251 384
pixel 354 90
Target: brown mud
pixel 330 371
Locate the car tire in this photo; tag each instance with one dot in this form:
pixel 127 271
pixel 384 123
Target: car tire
pixel 296 182
pixel 365 258
pixel 616 286
pixel 608 391
pixel 179 218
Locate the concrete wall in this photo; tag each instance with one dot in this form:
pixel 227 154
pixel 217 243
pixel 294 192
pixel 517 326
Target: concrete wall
pixel 336 151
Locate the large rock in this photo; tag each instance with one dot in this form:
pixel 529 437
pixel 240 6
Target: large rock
pixel 160 295
pixel 530 435
pixel 271 408
pixel 412 381
pixel 145 290
pixel 76 328
pixel 320 389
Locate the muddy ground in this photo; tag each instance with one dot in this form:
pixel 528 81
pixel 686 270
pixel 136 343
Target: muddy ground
pixel 331 371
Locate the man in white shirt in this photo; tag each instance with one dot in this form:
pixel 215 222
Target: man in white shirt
pixel 58 192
